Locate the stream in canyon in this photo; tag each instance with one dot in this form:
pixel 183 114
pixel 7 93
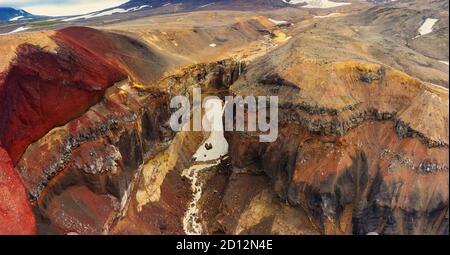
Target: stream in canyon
pixel 208 155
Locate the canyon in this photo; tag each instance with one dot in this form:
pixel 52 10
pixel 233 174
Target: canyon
pixel 86 147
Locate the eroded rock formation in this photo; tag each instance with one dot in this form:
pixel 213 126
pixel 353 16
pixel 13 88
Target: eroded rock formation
pixel 362 145
pixel 43 89
pixel 354 153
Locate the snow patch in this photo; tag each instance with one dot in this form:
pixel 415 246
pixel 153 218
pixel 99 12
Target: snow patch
pixel 320 4
pixel 138 8
pixel 107 13
pixel 327 16
pixel 17 30
pixel 278 22
pixel 98 14
pixel 427 26
pixel 206 5
pixel 212 150
pixel 16 18
pixel 216 146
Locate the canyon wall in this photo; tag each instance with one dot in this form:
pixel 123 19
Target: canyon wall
pixel 362 148
pixel 85 146
pixel 50 84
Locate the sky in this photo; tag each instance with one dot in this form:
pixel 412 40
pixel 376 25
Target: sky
pixel 61 7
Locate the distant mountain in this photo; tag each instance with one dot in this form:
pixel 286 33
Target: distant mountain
pixel 166 6
pixel 11 14
pixel 193 4
pixel 160 3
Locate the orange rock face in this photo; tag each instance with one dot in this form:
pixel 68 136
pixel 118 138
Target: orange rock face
pixel 369 180
pixel 16 217
pixel 375 161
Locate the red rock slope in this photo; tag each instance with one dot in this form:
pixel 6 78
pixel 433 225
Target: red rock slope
pixel 50 79
pixel 42 90
pixel 16 216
